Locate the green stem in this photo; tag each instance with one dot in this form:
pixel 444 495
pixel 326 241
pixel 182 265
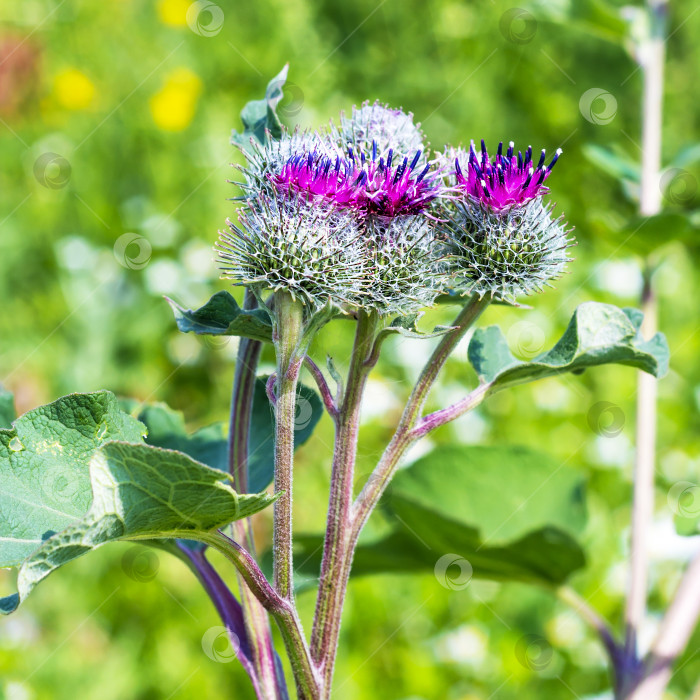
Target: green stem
pixel 336 553
pixel 287 336
pixel 281 609
pixel 404 435
pixel 256 619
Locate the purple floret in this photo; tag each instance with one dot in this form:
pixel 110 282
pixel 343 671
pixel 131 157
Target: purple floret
pixel 370 186
pixel 504 180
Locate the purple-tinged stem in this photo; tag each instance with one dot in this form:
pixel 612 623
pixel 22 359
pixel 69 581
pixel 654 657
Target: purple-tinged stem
pixel 270 388
pixel 271 680
pixel 336 553
pixel 403 437
pixel 324 389
pixel 341 542
pixel 229 609
pixel 445 415
pixel 287 336
pixel 594 620
pixel 282 609
pixel 242 404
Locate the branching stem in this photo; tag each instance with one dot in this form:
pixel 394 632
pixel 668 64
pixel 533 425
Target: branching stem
pixel 346 519
pixel 336 553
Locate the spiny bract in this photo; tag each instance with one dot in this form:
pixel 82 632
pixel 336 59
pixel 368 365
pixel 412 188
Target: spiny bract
pixel 504 253
pixel 265 161
pixel 308 250
pixel 406 269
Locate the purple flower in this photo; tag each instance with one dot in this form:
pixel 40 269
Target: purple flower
pixel 371 187
pixel 505 180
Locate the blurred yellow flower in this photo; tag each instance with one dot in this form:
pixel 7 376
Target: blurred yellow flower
pixel 173 12
pixel 172 108
pixel 73 89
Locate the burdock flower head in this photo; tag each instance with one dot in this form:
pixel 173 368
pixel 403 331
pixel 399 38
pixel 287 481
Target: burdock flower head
pixel 387 203
pixel 502 239
pixel 405 264
pixel 265 161
pixel 287 240
pixel 293 245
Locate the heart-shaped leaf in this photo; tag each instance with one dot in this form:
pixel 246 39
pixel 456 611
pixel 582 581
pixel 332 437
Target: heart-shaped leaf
pixel 139 492
pixel 222 315
pixel 209 445
pixel 44 467
pixel 504 513
pixel 597 334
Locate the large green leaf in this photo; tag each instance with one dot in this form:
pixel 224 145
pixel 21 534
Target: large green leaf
pixel 597 334
pixel 512 513
pixel 44 467
pixel 209 445
pixel 166 428
pixel 221 315
pixel 260 116
pixel 7 408
pixel 139 492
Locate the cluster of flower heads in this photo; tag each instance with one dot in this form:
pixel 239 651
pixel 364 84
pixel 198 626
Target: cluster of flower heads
pixel 358 216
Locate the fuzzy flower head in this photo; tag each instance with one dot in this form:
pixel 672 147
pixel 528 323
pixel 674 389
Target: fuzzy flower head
pixel 310 251
pixel 501 239
pixel 370 186
pixel 502 181
pixel 377 123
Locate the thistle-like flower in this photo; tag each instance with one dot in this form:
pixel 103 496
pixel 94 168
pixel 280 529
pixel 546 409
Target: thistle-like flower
pixel 310 251
pixel 503 181
pixel 501 239
pixel 376 123
pixel 371 187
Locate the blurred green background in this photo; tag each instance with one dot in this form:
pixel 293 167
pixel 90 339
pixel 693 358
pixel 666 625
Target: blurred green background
pixel 114 128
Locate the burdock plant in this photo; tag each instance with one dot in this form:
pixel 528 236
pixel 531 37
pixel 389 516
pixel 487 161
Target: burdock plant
pixel 356 223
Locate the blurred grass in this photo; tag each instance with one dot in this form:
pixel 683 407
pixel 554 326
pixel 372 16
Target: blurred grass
pixel 139 107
